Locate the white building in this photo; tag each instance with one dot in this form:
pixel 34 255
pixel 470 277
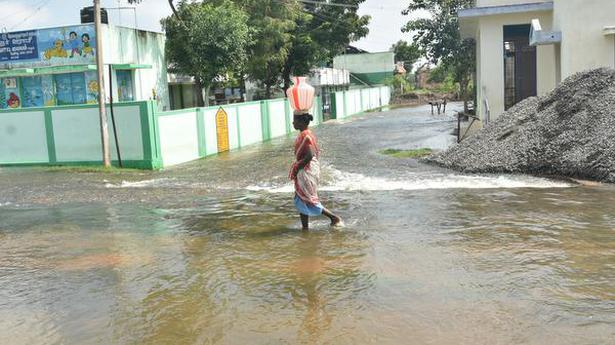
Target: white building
pixel 526 48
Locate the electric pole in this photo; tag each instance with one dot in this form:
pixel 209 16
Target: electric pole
pixel 104 129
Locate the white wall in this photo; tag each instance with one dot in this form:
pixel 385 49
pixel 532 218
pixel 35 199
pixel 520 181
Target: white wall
pixel 125 45
pixel 77 133
pixel 351 102
pixel 250 124
pixel 366 63
pixel 583 44
pixel 22 137
pixel 277 118
pixel 490 59
pixel 178 138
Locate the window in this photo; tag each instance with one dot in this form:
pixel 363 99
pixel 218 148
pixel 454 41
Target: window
pixel 124 85
pixel 70 88
pixel 31 92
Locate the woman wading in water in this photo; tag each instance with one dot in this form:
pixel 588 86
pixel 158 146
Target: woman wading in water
pixel 305 172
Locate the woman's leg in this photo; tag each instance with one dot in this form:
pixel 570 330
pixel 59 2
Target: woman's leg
pixel 304 221
pixel 335 220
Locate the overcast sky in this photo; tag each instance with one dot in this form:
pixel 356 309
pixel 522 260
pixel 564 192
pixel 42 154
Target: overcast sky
pixel 385 27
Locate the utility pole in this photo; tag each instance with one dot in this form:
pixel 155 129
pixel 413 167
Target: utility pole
pixel 104 128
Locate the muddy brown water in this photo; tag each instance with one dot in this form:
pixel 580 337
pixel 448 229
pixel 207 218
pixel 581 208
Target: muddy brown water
pixel 211 252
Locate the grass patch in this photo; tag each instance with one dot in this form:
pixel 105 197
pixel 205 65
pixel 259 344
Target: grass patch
pixel 416 153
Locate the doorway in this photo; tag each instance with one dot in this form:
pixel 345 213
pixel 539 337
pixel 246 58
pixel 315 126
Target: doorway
pixel 519 65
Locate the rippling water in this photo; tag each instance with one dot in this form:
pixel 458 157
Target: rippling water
pixel 212 253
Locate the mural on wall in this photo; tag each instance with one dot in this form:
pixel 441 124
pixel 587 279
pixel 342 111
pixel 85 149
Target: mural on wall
pixel 32 92
pixel 91 79
pixel 71 45
pixel 2 95
pixel 10 94
pixel 48 90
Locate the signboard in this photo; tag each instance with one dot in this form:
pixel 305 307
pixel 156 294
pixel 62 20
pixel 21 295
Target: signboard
pixel 20 45
pixel 222 130
pixel 71 45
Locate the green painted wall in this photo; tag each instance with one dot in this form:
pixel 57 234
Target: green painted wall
pixel 376 78
pixel 70 135
pixel 148 138
pixel 248 123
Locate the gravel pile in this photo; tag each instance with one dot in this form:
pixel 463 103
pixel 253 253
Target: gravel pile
pixel 568 132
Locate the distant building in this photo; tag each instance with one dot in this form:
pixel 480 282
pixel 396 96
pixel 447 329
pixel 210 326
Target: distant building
pixel 421 76
pixel 525 48
pixel 367 68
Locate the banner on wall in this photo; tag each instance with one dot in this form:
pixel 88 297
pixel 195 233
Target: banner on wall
pixel 71 45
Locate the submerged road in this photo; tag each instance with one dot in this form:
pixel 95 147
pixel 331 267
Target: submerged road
pixel 211 252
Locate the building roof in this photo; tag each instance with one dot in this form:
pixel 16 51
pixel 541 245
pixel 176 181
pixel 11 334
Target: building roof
pixel 608 30
pixel 505 9
pixel 469 17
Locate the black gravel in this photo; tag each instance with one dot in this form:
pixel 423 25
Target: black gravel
pixel 568 132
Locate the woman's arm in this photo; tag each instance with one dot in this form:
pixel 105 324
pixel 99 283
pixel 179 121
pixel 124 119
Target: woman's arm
pixel 308 157
pixel 300 164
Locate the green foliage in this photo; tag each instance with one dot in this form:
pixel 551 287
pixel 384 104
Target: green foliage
pixel 210 40
pixel 273 24
pixel 416 153
pixel 400 84
pixel 321 33
pixel 408 53
pixel 440 73
pixel 438 35
pixel 444 75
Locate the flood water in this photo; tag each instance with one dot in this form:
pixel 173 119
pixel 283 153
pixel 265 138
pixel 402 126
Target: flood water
pixel 211 252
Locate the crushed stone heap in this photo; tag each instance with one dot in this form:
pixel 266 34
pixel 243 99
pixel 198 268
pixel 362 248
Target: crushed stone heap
pixel 568 132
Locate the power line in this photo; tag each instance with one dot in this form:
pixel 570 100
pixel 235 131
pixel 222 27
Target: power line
pixel 327 3
pixel 14 14
pixel 40 6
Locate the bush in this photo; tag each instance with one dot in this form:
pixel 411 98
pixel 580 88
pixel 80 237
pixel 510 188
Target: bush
pixel 400 84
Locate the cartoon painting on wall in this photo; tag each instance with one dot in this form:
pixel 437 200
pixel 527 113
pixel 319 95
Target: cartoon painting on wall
pixel 72 45
pixel 10 96
pixel 91 79
pixel 68 45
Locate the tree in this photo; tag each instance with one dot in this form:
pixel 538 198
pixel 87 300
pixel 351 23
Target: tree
pixel 323 31
pixel 408 53
pixel 438 35
pixel 273 25
pixel 208 42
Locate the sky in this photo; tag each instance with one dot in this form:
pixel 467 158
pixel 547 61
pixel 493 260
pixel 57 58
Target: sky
pixel 385 26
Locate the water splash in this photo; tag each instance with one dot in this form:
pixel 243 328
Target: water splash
pixel 347 181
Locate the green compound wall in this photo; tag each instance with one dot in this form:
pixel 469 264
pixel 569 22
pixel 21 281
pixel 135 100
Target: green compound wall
pixel 149 139
pixel 356 101
pixel 70 135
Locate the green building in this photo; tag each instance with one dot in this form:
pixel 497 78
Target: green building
pixel 367 68
pixel 57 66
